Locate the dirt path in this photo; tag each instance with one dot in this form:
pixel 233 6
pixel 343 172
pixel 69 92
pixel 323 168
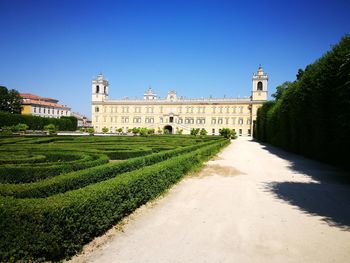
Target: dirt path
pixel 252 203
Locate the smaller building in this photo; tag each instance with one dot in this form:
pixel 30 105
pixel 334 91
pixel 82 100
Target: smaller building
pixel 43 107
pixel 83 121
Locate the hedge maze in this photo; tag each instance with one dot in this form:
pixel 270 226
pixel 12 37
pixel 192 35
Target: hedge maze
pixel 58 193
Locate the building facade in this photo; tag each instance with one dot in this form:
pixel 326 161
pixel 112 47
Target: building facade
pixel 83 121
pixel 175 113
pixel 43 107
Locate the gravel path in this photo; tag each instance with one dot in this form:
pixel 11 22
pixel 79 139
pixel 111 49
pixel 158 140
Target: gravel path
pixel 252 203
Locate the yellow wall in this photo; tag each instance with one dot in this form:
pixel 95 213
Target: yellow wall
pixel 25 109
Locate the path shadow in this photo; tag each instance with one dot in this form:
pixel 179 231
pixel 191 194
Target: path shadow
pixel 328 197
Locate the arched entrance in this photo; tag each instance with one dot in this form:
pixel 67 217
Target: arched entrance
pixel 168 129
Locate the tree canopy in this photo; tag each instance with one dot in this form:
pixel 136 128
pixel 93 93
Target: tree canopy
pixel 10 100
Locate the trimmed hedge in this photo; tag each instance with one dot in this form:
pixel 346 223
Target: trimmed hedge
pixel 25 173
pixel 78 179
pixel 38 123
pixel 58 226
pixel 311 116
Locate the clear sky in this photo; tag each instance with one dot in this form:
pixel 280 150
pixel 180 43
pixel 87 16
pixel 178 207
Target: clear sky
pixel 198 48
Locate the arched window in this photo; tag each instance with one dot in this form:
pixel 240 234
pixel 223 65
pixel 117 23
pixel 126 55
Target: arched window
pixel 104 90
pixel 260 86
pixel 97 109
pixel 97 89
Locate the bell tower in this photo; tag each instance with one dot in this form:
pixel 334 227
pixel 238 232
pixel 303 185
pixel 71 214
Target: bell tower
pixel 100 88
pixel 259 88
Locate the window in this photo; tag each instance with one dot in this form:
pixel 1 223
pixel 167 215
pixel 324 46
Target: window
pixel 44 110
pixel 248 121
pixel 227 120
pixel 137 119
pixel 180 121
pixel 58 112
pixel 161 119
pixel 125 119
pixel 200 120
pixel 48 111
pixel 219 120
pixel 189 120
pixel 213 121
pixel 171 119
pixel 260 86
pixel 97 89
pixel 249 132
pixel 240 131
pixel 34 109
pixel 240 121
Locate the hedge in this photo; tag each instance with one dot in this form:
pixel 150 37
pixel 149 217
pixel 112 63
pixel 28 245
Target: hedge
pixel 58 226
pixel 78 179
pixel 37 123
pixel 311 116
pixel 25 173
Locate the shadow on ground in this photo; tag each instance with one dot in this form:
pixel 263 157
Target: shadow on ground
pixel 327 196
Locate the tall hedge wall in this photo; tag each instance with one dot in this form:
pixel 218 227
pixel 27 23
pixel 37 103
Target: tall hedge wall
pixel 38 123
pixel 311 116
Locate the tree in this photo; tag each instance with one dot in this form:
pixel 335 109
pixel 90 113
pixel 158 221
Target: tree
pixel 135 130
pixel 22 127
pixel 10 100
pixel 143 131
pixel 90 130
pixel 159 131
pixel 194 131
pixel 120 130
pixel 105 129
pixel 203 132
pixel 51 128
pixel 151 131
pixel 179 131
pixel 281 89
pixel 227 133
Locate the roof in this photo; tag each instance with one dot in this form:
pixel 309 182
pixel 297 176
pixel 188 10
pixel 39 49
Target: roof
pixel 44 103
pixel 35 97
pixel 31 99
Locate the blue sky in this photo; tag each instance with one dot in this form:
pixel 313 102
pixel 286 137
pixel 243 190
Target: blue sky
pixel 198 48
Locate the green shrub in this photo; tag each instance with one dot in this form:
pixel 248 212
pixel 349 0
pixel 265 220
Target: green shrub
pixel 25 173
pixel 311 116
pixel 74 180
pixel 58 226
pixel 51 128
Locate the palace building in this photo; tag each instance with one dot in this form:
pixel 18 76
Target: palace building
pixel 175 113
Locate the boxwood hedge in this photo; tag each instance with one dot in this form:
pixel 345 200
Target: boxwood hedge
pixel 56 227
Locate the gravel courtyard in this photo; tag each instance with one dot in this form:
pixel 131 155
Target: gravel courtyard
pixel 252 203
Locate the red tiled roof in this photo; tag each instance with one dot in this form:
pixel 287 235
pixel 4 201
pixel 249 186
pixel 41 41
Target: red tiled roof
pixel 31 99
pixel 44 103
pixel 35 97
